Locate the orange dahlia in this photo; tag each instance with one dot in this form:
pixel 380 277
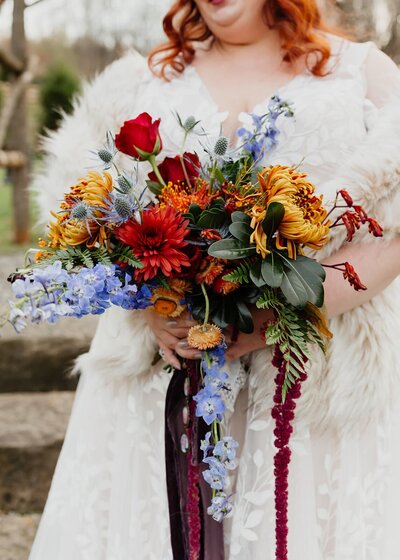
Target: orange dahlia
pixel 158 241
pixel 81 210
pixel 304 219
pixel 204 337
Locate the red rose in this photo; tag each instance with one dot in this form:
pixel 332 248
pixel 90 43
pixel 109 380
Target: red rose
pixel 139 137
pixel 172 171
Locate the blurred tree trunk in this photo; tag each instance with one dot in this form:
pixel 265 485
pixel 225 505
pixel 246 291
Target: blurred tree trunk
pixel 18 132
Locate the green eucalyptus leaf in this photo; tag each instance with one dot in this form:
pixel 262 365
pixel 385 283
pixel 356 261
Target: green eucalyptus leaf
pixel 230 249
pixel 241 231
pixel 212 218
pixel 256 275
pixel 302 281
pixel 273 218
pixel 238 216
pixel 272 270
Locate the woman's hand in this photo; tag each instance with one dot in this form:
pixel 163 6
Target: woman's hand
pixel 249 342
pixel 171 336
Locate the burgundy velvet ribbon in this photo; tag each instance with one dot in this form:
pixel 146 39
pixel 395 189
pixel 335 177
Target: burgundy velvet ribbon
pixel 194 534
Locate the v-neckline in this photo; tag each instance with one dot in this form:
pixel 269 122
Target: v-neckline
pixel 224 114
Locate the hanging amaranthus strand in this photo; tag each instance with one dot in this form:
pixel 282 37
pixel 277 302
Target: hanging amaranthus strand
pixel 283 413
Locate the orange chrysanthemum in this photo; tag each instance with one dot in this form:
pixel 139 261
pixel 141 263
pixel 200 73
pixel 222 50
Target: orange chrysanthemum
pixel 304 219
pixel 181 196
pixel 92 192
pixel 205 337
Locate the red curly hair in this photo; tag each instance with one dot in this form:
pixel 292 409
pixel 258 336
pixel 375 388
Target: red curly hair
pixel 297 21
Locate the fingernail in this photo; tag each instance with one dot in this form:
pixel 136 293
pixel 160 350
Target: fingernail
pixel 172 323
pixel 183 344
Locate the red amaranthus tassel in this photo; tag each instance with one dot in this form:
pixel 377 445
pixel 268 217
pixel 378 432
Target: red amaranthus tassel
pixel 283 414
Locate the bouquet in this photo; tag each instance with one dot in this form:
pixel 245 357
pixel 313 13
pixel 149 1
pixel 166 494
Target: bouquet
pixel 222 232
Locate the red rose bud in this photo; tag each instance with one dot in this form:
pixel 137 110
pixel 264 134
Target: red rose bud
pixel 140 137
pixel 346 197
pixel 171 169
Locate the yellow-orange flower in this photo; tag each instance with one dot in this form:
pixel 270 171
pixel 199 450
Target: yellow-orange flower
pixel 304 219
pixel 204 337
pixel 93 191
pixel 168 302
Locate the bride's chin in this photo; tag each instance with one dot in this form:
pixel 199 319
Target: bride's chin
pixel 223 13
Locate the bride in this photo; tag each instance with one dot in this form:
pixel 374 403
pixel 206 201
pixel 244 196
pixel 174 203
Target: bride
pixel 223 60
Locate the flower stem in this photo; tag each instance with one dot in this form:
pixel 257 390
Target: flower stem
pixel 212 175
pixel 207 302
pixel 152 161
pixel 182 160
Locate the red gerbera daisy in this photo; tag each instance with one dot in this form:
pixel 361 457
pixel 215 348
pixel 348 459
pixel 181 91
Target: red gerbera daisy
pixel 157 241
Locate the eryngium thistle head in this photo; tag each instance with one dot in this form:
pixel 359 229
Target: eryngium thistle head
pixel 124 185
pixel 123 207
pixel 221 146
pixel 80 211
pixel 105 156
pixel 189 123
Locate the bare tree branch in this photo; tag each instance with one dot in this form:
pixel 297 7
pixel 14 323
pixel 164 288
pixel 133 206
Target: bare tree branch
pixel 33 3
pixel 12 159
pixel 11 62
pixel 11 102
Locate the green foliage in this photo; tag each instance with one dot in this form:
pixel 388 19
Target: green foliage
pixel 57 89
pixel 241 274
pixel 302 281
pixel 273 219
pixel 123 254
pixel 231 249
pixel 78 256
pixel 293 332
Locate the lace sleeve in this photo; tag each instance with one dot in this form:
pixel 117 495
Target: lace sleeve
pixel 383 78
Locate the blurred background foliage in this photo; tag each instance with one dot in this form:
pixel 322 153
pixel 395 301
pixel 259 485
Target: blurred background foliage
pixel 57 88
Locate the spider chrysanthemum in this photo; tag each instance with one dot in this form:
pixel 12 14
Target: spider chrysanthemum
pixel 81 211
pixel 304 221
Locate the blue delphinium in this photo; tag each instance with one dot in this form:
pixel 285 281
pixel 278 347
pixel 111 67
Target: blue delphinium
pixel 219 454
pixel 264 134
pixel 220 507
pixel 46 294
pixel 210 405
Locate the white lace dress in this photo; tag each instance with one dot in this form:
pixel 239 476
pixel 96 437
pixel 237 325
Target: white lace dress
pixel 108 498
